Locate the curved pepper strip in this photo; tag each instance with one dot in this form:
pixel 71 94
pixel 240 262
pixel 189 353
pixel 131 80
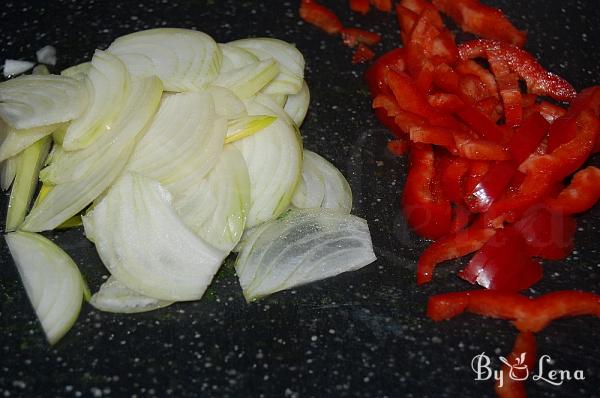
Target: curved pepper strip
pixel 375 74
pixel 450 247
pixel 523 357
pixel 539 80
pixel 427 211
pixel 527 314
pixel 320 16
pixel 361 6
pixel 484 21
pixel 355 36
pixel 582 193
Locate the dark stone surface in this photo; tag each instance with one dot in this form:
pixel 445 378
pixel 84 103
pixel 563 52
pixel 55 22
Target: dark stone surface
pixel 362 334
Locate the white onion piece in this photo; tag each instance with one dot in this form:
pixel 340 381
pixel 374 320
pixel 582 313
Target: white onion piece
pixel 101 162
pixel 300 247
pixel 28 167
pixel 227 104
pixel 274 160
pixel 13 67
pixel 46 55
pixel 322 185
pixel 52 281
pixel 246 126
pixel 216 207
pixel 39 100
pixel 183 59
pixel 184 140
pixel 279 99
pixel 297 104
pixel 235 57
pixel 8 171
pixel 115 297
pixel 40 70
pixel 15 141
pixel 78 71
pixel 146 246
pixel 291 62
pixel 248 80
pixel 107 82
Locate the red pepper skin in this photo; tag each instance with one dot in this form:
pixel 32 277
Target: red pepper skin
pixel 433 135
pixel 320 16
pixel 406 20
pixel 491 186
pixel 461 217
pixel 427 211
pixel 563 130
pixel 451 247
pixel 548 236
pixel 360 6
pixel 527 137
pixel 355 36
pixel 453 171
pixel 539 81
pixel 523 356
pixel 382 5
pixel 470 67
pixel 503 264
pixel 484 21
pixel 550 112
pixel 398 147
pixel 481 124
pixel 386 109
pixel 445 102
pixel 478 149
pixel 375 74
pixel 362 54
pixel 582 193
pixel 528 315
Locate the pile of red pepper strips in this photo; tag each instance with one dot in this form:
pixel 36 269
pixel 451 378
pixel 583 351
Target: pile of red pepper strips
pixel 492 136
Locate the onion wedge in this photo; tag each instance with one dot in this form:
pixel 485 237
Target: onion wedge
pixel 113 296
pixel 52 281
pixel 302 246
pixel 297 104
pixel 146 246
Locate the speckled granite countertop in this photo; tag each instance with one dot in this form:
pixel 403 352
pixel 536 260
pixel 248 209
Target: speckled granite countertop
pixel 362 334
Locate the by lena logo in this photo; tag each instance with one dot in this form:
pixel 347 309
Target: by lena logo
pixel 519 371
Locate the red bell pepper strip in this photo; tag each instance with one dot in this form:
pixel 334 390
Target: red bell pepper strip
pixel 398 147
pixel 528 315
pixel 481 124
pixel 453 171
pixel 320 16
pixel 382 5
pixel 548 236
pixel 360 6
pixel 478 149
pixel 355 36
pixel 470 67
pixel 484 21
pixel 427 211
pixel 375 74
pixel 503 264
pixel 433 135
pixel 461 217
pixel 539 81
pixel 406 20
pixel 477 170
pixel 451 247
pixel 445 102
pixel 473 88
pixel 582 193
pixel 550 112
pixel 416 6
pixel 386 109
pixel 491 186
pixel 528 137
pixel 362 54
pixel 522 358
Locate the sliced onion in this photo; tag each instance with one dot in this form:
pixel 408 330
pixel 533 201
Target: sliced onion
pixel 52 281
pixel 107 82
pixel 184 141
pixel 146 246
pixel 78 71
pixel 246 126
pixel 46 55
pixel 113 296
pixel 183 59
pixel 13 67
pixel 15 141
pixel 28 167
pixel 248 80
pixel 297 104
pixel 300 247
pixel 216 207
pixel 235 57
pixel 92 170
pixel 8 171
pixel 274 160
pixel 40 70
pixel 227 104
pixel 322 185
pixel 39 100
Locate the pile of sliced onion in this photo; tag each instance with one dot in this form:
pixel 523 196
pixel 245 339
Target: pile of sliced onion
pixel 174 151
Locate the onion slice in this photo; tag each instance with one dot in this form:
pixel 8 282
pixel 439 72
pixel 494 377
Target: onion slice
pixel 15 141
pixel 146 246
pixel 297 104
pixel 8 171
pixel 13 67
pixel 52 281
pixel 183 59
pixel 39 100
pixel 115 297
pixel 46 55
pixel 246 126
pixel 322 185
pixel 302 246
